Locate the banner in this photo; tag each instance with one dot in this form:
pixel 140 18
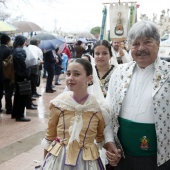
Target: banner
pixel 119 20
pixel 103 27
pixel 133 15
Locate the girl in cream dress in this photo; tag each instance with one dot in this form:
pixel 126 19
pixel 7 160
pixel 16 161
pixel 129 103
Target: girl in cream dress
pixel 75 122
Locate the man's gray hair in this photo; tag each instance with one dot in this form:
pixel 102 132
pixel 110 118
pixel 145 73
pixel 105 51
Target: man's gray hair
pixel 143 29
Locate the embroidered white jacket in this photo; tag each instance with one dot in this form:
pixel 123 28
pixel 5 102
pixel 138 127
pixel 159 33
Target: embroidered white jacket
pixel 118 87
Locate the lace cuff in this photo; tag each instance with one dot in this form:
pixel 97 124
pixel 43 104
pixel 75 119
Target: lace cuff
pixel 46 143
pixel 108 133
pixel 100 144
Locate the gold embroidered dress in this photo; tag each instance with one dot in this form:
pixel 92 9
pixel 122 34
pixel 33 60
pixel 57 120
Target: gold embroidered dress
pixel 72 129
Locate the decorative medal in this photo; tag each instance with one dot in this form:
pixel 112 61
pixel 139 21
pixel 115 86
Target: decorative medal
pixel 144 143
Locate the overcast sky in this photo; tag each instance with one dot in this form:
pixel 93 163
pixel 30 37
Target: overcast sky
pixel 73 15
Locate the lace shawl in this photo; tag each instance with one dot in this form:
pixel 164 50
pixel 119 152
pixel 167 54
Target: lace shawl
pixel 66 102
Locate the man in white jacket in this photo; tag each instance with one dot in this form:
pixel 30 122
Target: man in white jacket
pixel 120 54
pixel 139 99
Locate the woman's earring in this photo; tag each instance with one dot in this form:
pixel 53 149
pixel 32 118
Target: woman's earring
pixel 91 83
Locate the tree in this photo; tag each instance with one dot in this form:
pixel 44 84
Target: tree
pixel 4 15
pixel 96 32
pixel 2 1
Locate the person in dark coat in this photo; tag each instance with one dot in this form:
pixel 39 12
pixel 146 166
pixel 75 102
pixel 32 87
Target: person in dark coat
pixel 89 49
pixel 58 65
pixel 21 74
pixel 79 49
pixel 5 83
pixel 49 61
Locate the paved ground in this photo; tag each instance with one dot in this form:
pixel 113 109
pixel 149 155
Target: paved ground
pixel 20 147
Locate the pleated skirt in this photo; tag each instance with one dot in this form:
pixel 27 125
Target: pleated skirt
pixel 52 162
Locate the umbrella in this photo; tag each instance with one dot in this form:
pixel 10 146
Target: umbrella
pixel 85 34
pixel 5 27
pixel 26 26
pixel 83 40
pixel 50 41
pixel 45 36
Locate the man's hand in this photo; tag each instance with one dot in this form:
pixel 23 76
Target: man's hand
pixel 121 53
pixel 57 60
pixel 113 154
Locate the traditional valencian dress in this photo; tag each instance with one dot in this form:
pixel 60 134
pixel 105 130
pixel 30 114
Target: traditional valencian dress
pixel 104 80
pixel 72 130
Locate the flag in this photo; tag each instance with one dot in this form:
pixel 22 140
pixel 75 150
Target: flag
pixel 133 14
pixel 118 20
pixel 109 35
pixel 103 27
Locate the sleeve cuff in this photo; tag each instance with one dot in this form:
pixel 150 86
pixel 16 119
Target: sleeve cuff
pixel 46 143
pixel 108 133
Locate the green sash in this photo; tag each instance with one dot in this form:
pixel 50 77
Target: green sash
pixel 137 139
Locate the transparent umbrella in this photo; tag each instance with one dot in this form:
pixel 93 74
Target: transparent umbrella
pixel 26 26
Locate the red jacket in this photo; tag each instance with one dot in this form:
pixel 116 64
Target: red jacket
pixel 66 50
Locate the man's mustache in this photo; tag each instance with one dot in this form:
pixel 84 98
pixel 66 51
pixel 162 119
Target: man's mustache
pixel 142 53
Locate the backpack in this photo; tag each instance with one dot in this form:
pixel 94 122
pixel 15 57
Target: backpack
pixel 8 68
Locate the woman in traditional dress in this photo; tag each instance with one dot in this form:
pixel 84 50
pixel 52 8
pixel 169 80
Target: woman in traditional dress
pixel 75 122
pixel 102 71
pixel 102 52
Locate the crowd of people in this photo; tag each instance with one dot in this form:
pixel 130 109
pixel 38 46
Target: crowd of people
pixel 26 67
pixel 28 62
pixel 114 113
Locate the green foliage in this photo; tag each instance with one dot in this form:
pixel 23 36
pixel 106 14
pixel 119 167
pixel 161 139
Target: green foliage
pixel 95 30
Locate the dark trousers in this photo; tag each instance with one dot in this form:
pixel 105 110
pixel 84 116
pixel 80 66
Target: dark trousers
pixel 9 89
pixel 20 101
pixel 141 163
pixel 50 70
pixel 1 93
pixel 108 167
pixel 38 79
pixel 29 101
pixel 33 78
pixel 44 70
pixel 19 104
